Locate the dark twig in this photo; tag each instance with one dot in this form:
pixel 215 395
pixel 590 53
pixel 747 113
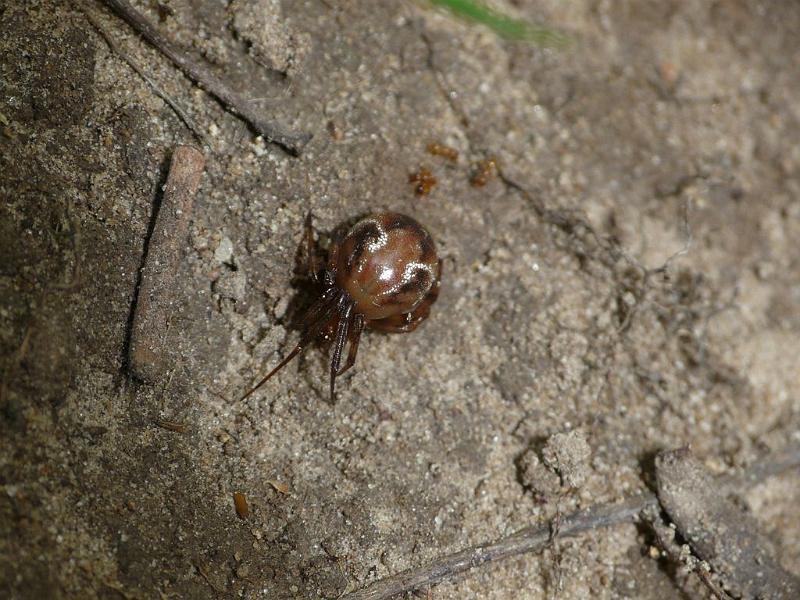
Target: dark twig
pixel 153 85
pixel 204 574
pixel 200 74
pixel 773 464
pixel 444 87
pixel 538 537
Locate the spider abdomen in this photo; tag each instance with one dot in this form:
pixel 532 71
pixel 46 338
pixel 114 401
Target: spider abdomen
pixel 387 264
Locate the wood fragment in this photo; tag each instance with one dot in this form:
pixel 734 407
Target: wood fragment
pixel 283 488
pixel 149 358
pixel 538 537
pixel 529 539
pixel 204 574
pixel 171 425
pixel 233 101
pixel 718 531
pixel 240 504
pixel 665 538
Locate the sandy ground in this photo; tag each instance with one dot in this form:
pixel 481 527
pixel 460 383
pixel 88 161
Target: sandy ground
pixel 553 366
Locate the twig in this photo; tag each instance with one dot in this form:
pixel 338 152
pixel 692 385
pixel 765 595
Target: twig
pixel 234 102
pixel 774 463
pixel 153 85
pixel 175 426
pixel 538 537
pixel 529 539
pixel 570 222
pixel 444 87
pixel 153 304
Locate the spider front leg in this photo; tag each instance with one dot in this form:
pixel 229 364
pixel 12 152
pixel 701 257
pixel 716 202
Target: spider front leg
pixel 342 328
pixel 353 338
pixel 312 256
pixel 318 318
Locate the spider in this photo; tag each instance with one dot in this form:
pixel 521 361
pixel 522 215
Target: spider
pixel 383 274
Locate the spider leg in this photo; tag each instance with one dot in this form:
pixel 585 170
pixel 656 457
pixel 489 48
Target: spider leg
pixel 327 308
pixel 333 251
pixel 312 259
pixel 319 305
pixel 345 319
pixel 353 338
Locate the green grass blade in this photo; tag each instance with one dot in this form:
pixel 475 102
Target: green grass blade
pixel 505 26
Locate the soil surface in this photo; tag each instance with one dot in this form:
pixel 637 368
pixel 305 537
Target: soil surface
pixel 630 284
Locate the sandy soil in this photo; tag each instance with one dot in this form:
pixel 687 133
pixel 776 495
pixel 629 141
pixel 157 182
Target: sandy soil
pixel 554 365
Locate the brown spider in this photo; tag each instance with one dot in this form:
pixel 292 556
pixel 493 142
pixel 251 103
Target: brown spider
pixel 383 274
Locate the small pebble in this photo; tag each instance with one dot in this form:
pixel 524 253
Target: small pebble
pixel 224 252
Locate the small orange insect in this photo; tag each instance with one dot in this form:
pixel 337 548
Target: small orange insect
pixel 484 171
pixel 447 152
pixel 423 181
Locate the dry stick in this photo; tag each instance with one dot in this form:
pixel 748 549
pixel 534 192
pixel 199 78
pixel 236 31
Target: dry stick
pixel 149 357
pixel 568 221
pixel 536 538
pixel 525 540
pixel 234 102
pixel 158 91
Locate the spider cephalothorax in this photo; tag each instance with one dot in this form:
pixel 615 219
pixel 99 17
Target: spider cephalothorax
pixel 383 274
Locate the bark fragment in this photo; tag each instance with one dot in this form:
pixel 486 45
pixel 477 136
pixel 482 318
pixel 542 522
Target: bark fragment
pixel 718 532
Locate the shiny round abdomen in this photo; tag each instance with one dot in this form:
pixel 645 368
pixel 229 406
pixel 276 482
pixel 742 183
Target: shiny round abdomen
pixel 387 263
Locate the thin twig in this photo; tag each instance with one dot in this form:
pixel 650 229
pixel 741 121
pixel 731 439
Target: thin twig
pixel 153 85
pixel 204 574
pixel 538 537
pixel 529 539
pixel 774 463
pixel 234 102
pixel 444 86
